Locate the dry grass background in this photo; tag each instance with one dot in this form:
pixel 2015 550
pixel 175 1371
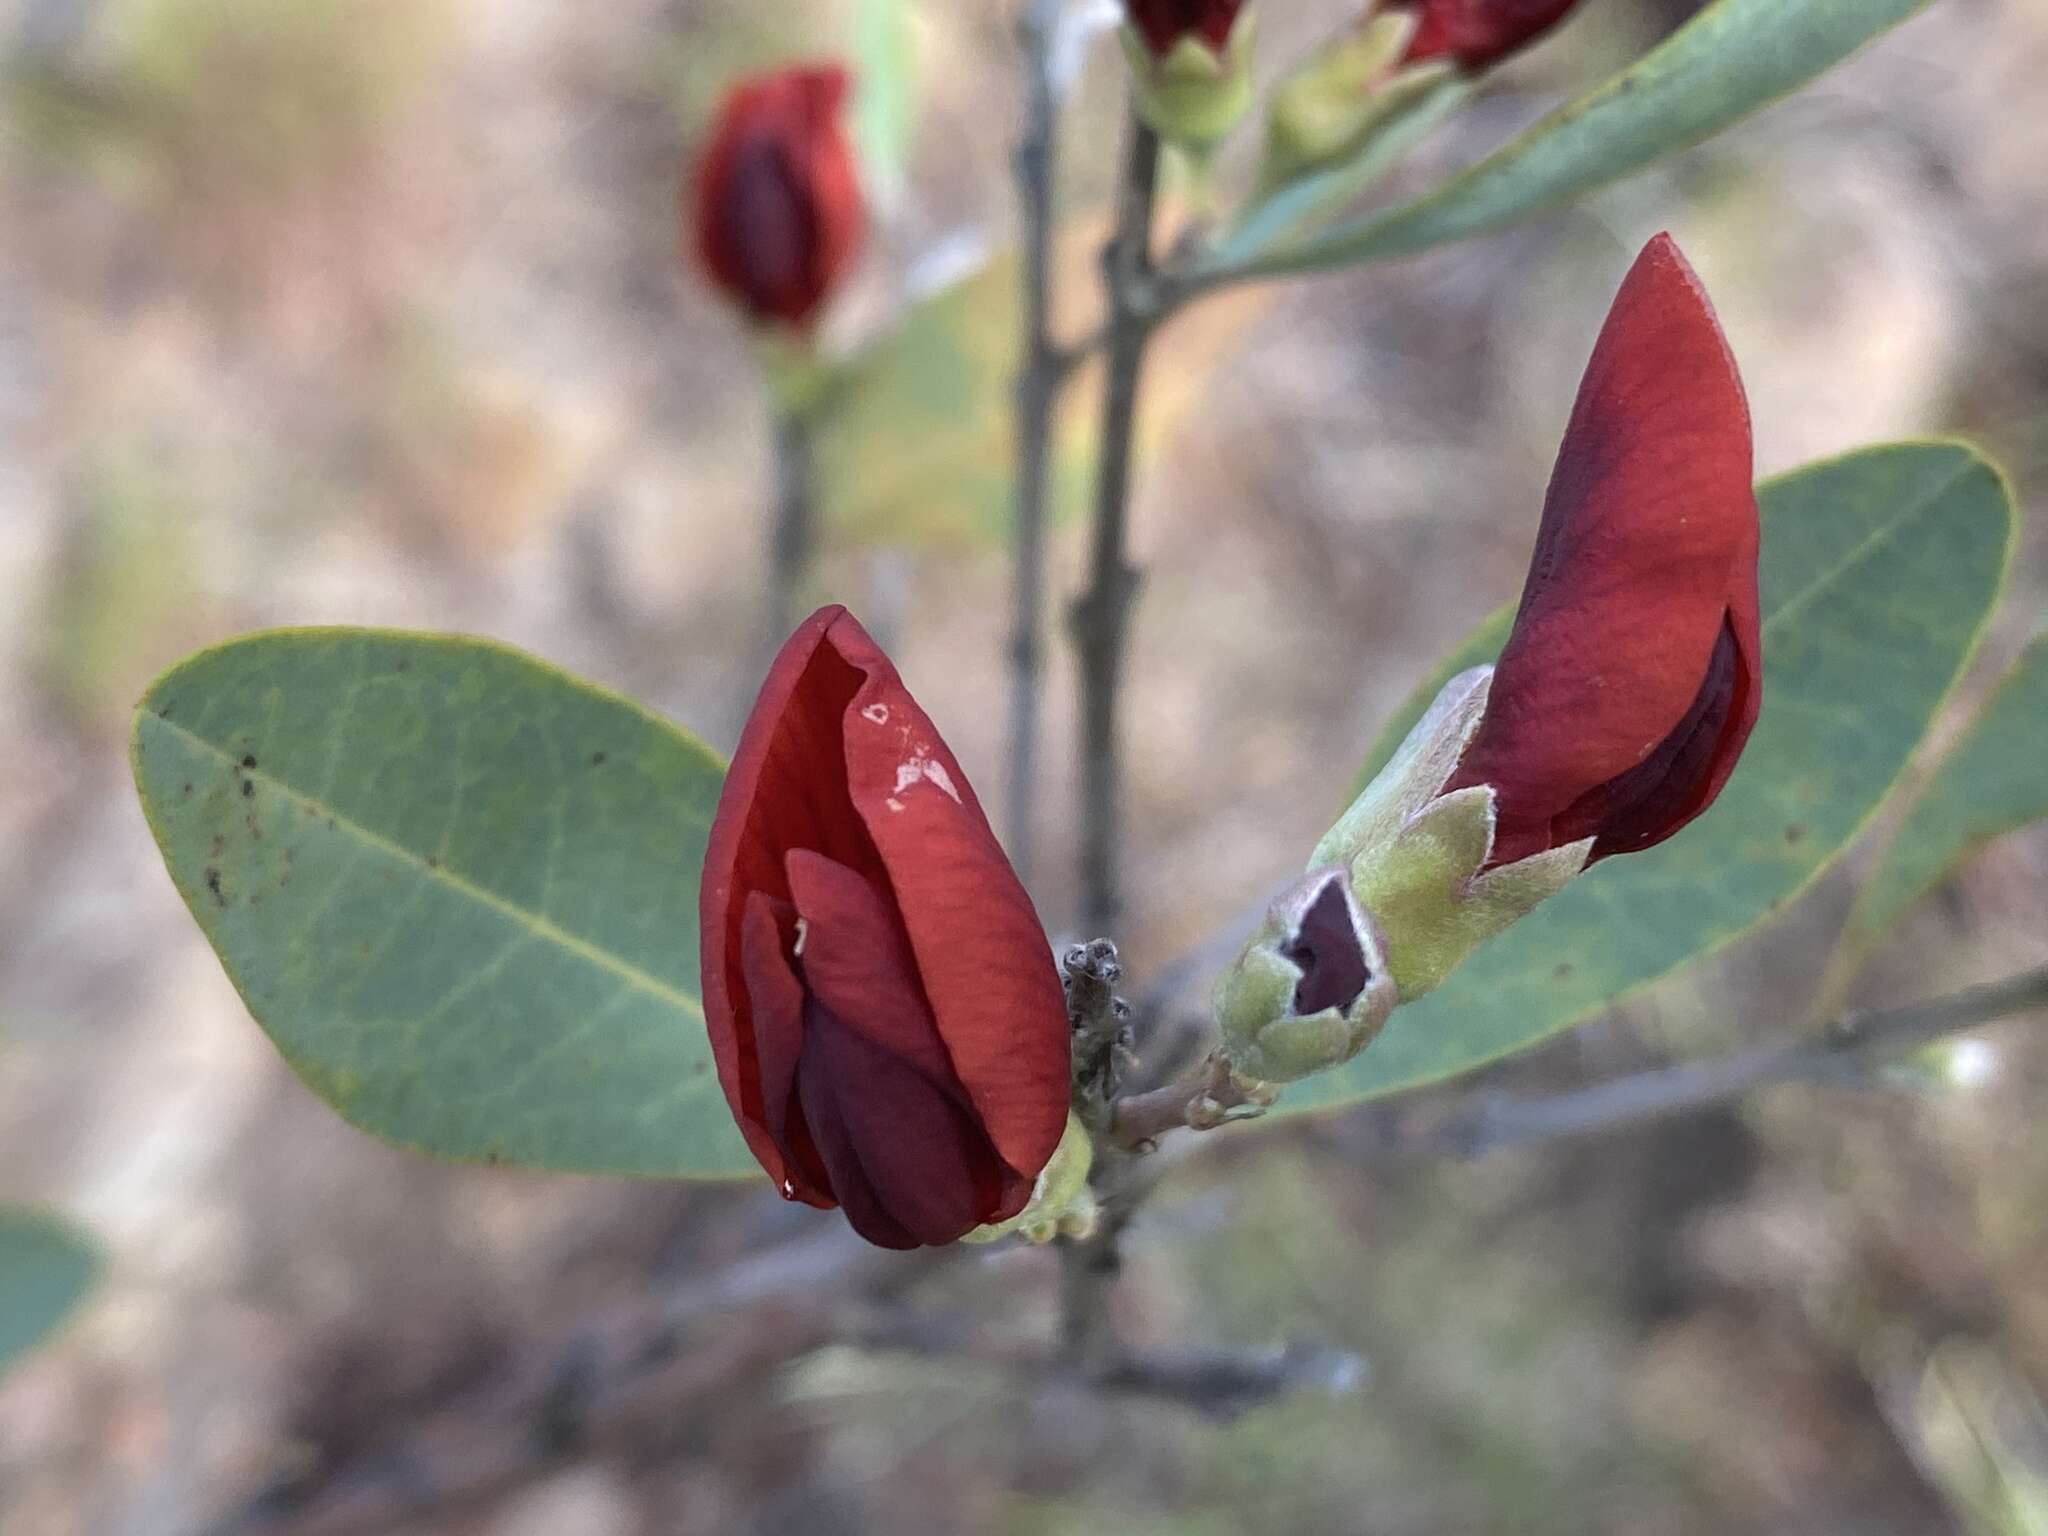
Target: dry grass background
pixel 368 311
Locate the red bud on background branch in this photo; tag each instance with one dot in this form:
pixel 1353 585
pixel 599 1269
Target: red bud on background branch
pixel 778 216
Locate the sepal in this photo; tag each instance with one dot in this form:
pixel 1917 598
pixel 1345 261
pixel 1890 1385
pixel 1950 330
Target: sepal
pixel 1192 95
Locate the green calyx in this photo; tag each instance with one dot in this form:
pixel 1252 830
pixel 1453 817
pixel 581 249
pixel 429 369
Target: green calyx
pixel 1344 96
pixel 1271 1032
pixel 1417 857
pixel 1062 1205
pixel 1193 96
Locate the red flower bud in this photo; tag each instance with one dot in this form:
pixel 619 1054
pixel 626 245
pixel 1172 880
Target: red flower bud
pixel 882 1002
pixel 1162 23
pixel 1476 33
pixel 1633 673
pixel 779 216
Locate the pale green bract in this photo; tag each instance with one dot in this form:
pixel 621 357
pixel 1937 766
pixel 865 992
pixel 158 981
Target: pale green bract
pixel 457 887
pixel 1878 572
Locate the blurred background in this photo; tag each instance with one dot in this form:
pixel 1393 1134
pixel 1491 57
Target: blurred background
pixel 369 311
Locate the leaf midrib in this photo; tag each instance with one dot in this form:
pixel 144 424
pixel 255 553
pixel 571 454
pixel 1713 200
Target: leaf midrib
pixel 1869 544
pixel 541 927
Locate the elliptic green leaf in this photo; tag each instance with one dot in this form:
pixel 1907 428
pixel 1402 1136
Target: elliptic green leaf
pixel 456 886
pixel 1878 573
pixel 1732 58
pixel 46 1267
pixel 1994 780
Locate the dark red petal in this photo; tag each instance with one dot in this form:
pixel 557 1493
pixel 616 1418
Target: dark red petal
pixel 786 788
pixel 1334 969
pixel 1162 23
pixel 856 961
pixel 1646 554
pixel 776 1002
pixel 1675 782
pixel 1477 33
pixel 908 1163
pixel 980 949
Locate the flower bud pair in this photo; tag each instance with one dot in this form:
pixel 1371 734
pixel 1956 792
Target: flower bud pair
pixel 1620 704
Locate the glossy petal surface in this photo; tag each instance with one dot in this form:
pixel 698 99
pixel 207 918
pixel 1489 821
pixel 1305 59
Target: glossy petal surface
pixel 1631 678
pixel 881 998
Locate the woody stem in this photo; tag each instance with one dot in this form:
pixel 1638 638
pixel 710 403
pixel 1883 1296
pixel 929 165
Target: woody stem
pixel 1046 367
pixel 1101 615
pixel 795 531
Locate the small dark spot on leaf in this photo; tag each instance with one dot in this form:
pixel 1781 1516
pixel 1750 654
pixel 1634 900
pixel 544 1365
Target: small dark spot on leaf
pixel 405 663
pixel 248 788
pixel 1563 972
pixel 1795 833
pixel 493 1157
pixel 433 862
pixel 699 1070
pixel 220 844
pixel 249 760
pixel 213 885
pixel 597 759
pixel 188 789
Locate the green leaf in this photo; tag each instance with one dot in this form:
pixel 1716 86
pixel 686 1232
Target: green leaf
pixel 917 444
pixel 1878 572
pixel 1994 780
pixel 885 86
pixel 46 1267
pixel 1732 58
pixel 456 886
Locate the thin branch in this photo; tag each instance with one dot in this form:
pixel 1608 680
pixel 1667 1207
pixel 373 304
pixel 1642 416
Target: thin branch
pixel 657 1357
pixel 1046 367
pixel 1219 1383
pixel 795 531
pixel 1476 1123
pixel 1101 616
pixel 1842 1052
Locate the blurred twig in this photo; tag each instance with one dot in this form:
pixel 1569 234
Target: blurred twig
pixel 652 1358
pixel 1219 1383
pixel 795 532
pixel 1101 615
pixel 1843 1052
pixel 1046 368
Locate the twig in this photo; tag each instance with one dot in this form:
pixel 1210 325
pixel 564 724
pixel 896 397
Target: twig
pixel 1841 1052
pixel 795 532
pixel 588 1386
pixel 1101 616
pixel 1219 1383
pixel 1044 370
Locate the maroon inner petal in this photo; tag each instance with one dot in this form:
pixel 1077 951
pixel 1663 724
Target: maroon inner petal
pixel 775 1000
pixel 907 1162
pixel 1647 802
pixel 1334 969
pixel 775 236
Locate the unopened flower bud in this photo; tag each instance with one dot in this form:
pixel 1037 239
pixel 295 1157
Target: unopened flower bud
pixel 1349 96
pixel 1479 33
pixel 1310 989
pixel 1061 1201
pixel 1190 67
